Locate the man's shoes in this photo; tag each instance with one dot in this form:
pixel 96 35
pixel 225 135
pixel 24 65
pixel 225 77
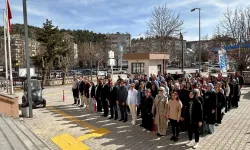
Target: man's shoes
pixel 125 120
pixel 111 117
pixel 121 119
pixel 105 115
pixel 172 138
pixel 80 106
pixel 176 139
pixel 116 118
pixel 73 103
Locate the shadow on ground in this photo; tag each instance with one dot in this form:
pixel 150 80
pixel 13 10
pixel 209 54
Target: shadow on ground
pixel 122 135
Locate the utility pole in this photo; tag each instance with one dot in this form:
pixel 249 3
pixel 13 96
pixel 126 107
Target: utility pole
pixel 27 56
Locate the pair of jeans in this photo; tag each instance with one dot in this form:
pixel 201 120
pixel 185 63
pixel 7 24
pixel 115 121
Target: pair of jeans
pixel 113 109
pixel 91 104
pixel 99 105
pixel 194 129
pixel 175 127
pixel 105 107
pixel 123 109
pixel 211 128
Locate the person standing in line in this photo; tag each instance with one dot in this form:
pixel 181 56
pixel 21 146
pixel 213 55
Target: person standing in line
pixel 146 110
pixel 75 91
pixel 91 95
pixel 104 96
pixel 174 115
pixel 221 102
pixel 81 89
pixel 194 118
pixel 210 105
pixel 112 100
pixel 132 102
pixel 141 97
pixel 98 96
pixel 241 79
pixel 121 101
pixel 159 110
pixel 227 91
pixel 86 92
pixel 236 94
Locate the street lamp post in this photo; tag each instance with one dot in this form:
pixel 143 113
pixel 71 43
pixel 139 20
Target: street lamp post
pixel 199 36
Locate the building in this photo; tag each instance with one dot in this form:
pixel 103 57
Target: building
pixel 172 46
pixel 118 42
pixel 119 39
pixel 146 63
pixel 18 50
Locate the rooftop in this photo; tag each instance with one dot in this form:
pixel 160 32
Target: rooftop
pixel 151 56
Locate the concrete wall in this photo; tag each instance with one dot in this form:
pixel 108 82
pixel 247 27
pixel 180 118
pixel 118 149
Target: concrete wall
pixel 153 66
pixel 9 105
pixel 150 66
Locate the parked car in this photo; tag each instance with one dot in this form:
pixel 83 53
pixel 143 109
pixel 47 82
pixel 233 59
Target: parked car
pixel 214 68
pixel 117 71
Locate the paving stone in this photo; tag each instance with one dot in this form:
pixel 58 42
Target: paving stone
pixel 233 133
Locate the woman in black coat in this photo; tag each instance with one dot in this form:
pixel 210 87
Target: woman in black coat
pixel 210 105
pixel 194 118
pixel 147 116
pixel 221 102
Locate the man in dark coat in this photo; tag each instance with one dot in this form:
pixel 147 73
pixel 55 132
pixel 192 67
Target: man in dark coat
pixel 121 101
pixel 98 95
pixel 81 89
pixel 105 92
pixel 112 100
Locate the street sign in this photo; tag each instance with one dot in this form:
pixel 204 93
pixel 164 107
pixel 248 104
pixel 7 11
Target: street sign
pixel 111 62
pixel 121 48
pixel 111 54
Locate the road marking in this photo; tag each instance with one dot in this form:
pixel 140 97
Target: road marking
pixel 67 141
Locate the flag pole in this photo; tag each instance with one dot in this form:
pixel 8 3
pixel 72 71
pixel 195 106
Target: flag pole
pixel 9 48
pixel 5 51
pixel 27 56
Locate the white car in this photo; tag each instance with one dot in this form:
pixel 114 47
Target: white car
pixel 215 68
pixel 117 71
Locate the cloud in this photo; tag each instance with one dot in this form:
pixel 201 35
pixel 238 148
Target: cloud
pixel 84 2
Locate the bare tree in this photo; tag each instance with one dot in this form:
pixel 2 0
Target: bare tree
pixel 236 24
pixel 163 23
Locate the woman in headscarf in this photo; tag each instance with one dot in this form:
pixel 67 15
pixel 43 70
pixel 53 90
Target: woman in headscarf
pixel 210 104
pixel 200 98
pixel 221 102
pixel 195 118
pixel 159 110
pixel 147 116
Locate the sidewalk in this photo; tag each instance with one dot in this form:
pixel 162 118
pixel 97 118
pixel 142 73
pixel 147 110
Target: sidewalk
pixel 64 121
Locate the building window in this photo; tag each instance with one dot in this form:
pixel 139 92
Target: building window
pixel 137 68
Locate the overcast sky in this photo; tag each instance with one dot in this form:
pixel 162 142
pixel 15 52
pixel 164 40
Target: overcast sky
pixel 121 15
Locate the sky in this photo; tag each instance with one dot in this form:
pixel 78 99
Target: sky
pixel 131 16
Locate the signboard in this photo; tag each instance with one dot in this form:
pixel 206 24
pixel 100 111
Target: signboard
pixel 111 54
pixel 111 62
pixel 121 48
pixel 23 72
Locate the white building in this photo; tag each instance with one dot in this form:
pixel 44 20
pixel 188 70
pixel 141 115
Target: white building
pixel 146 63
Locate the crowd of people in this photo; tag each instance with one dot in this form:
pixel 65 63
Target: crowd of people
pixel 191 103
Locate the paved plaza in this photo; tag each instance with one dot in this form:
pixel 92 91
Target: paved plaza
pixel 64 126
